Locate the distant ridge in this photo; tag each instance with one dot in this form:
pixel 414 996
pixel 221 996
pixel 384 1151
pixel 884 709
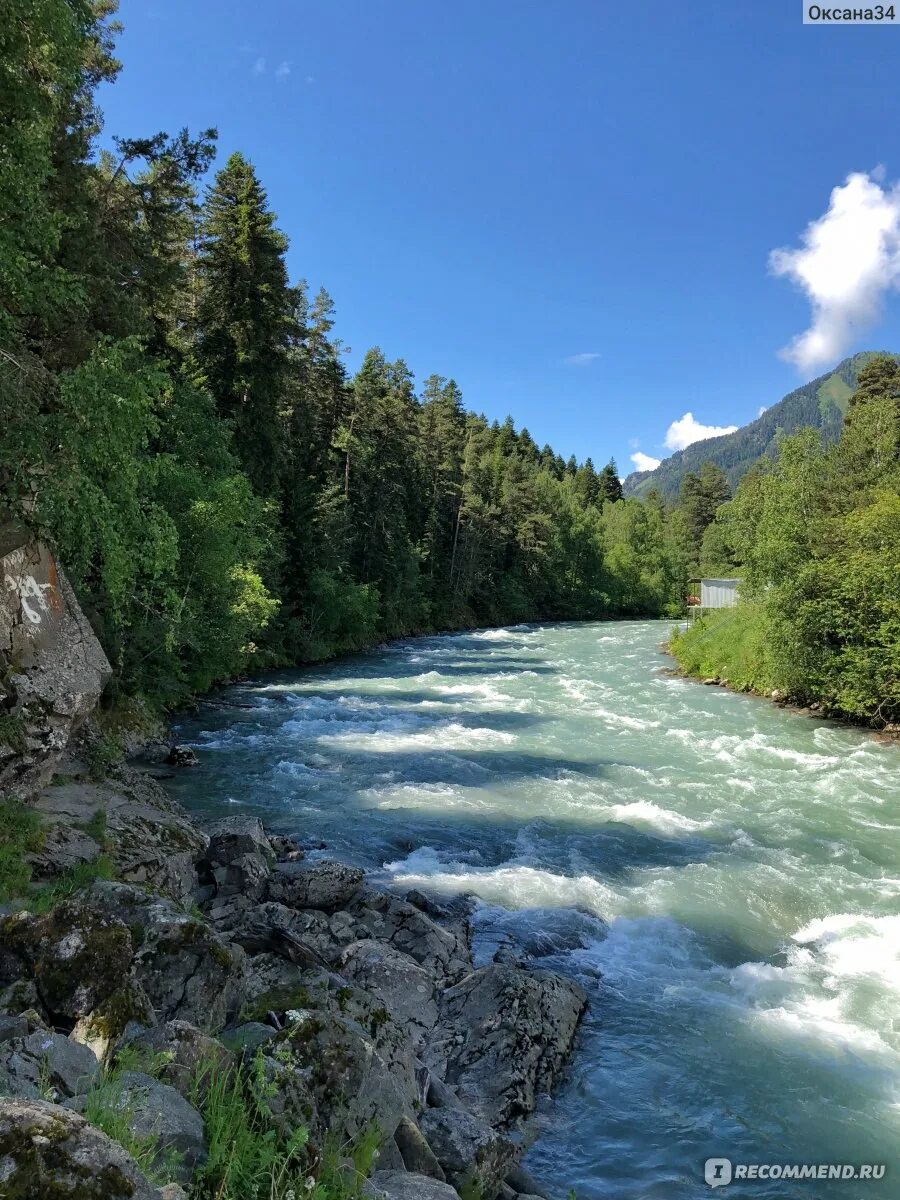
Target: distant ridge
pixel 820 403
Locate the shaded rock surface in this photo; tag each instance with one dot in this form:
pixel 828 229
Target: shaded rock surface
pixel 45 1062
pixel 401 1185
pixel 47 1151
pixel 468 1149
pixel 147 835
pixel 52 667
pixel 155 1110
pixel 503 1038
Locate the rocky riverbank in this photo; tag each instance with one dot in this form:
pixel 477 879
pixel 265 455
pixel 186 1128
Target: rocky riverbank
pixel 218 1013
pixel 229 953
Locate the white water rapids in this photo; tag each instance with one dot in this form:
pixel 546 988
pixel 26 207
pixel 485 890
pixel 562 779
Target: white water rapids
pixel 722 875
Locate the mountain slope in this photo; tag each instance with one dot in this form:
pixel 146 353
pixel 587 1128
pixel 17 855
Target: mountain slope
pixel 820 403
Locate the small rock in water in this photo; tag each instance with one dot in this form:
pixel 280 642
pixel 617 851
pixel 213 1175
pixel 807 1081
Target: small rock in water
pixel 182 756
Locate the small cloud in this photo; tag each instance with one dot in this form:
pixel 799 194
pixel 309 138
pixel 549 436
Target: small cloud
pixel 259 66
pixel 762 408
pixel 685 431
pixel 282 71
pixel 310 79
pixel 581 360
pixel 847 261
pixel 644 462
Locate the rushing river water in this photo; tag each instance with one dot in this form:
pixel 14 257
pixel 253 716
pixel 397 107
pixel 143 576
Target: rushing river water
pixel 722 876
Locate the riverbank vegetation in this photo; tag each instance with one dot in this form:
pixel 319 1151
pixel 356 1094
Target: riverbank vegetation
pixel 815 536
pixel 179 419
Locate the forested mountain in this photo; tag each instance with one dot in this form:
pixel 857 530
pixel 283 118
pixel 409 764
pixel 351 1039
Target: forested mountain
pixel 819 404
pixel 814 534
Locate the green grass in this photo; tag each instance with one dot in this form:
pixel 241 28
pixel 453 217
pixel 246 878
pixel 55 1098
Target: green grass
pixel 20 833
pixel 105 1107
pixel 729 644
pixel 48 895
pixel 250 1158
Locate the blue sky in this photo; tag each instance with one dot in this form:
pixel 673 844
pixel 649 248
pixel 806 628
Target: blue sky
pixel 570 207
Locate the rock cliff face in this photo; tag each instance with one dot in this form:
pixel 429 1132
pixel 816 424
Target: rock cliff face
pixel 52 668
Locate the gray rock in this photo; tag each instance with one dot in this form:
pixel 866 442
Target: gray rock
pixel 503 1037
pixel 155 1110
pixel 182 756
pixel 13 1026
pixel 443 952
pixel 172 1191
pixel 400 1185
pixel 407 990
pixel 521 1181
pixel 147 835
pixel 246 876
pixel 417 1155
pixel 106 1024
pixel 45 1065
pixel 46 1150
pixel 388 1157
pixel 188 971
pixel 52 666
pixel 246 1039
pixel 470 1152
pixel 307 939
pixel 76 955
pixel 325 885
pixel 186 1049
pixel 357 1062
pixel 233 837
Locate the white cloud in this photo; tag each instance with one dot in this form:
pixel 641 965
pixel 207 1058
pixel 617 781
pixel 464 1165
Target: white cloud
pixel 259 67
pixel 685 431
pixel 762 408
pixel 282 70
pixel 581 360
pixel 849 258
pixel 644 462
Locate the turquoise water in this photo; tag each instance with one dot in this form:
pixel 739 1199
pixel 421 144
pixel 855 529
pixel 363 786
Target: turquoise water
pixel 722 875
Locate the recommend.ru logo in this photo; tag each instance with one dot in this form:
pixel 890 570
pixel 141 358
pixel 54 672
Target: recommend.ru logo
pixel 720 1171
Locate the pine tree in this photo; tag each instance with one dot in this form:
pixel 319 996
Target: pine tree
pixel 246 317
pixel 609 484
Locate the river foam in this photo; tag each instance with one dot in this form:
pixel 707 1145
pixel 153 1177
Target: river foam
pixel 721 874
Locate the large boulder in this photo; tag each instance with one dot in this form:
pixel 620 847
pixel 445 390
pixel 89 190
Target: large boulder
pixel 401 1185
pixel 153 1110
pixel 76 955
pixel 309 939
pixel 52 668
pixel 357 1063
pixel 187 970
pixel 503 1037
pixel 48 1151
pixel 415 1152
pixel 43 1064
pixel 144 832
pixel 233 837
pixel 323 885
pixel 471 1153
pixel 443 952
pixel 407 990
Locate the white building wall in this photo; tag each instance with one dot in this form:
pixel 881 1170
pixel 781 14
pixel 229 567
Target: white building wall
pixel 718 593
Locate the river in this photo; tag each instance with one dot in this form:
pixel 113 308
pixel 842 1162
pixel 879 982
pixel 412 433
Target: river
pixel 721 875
